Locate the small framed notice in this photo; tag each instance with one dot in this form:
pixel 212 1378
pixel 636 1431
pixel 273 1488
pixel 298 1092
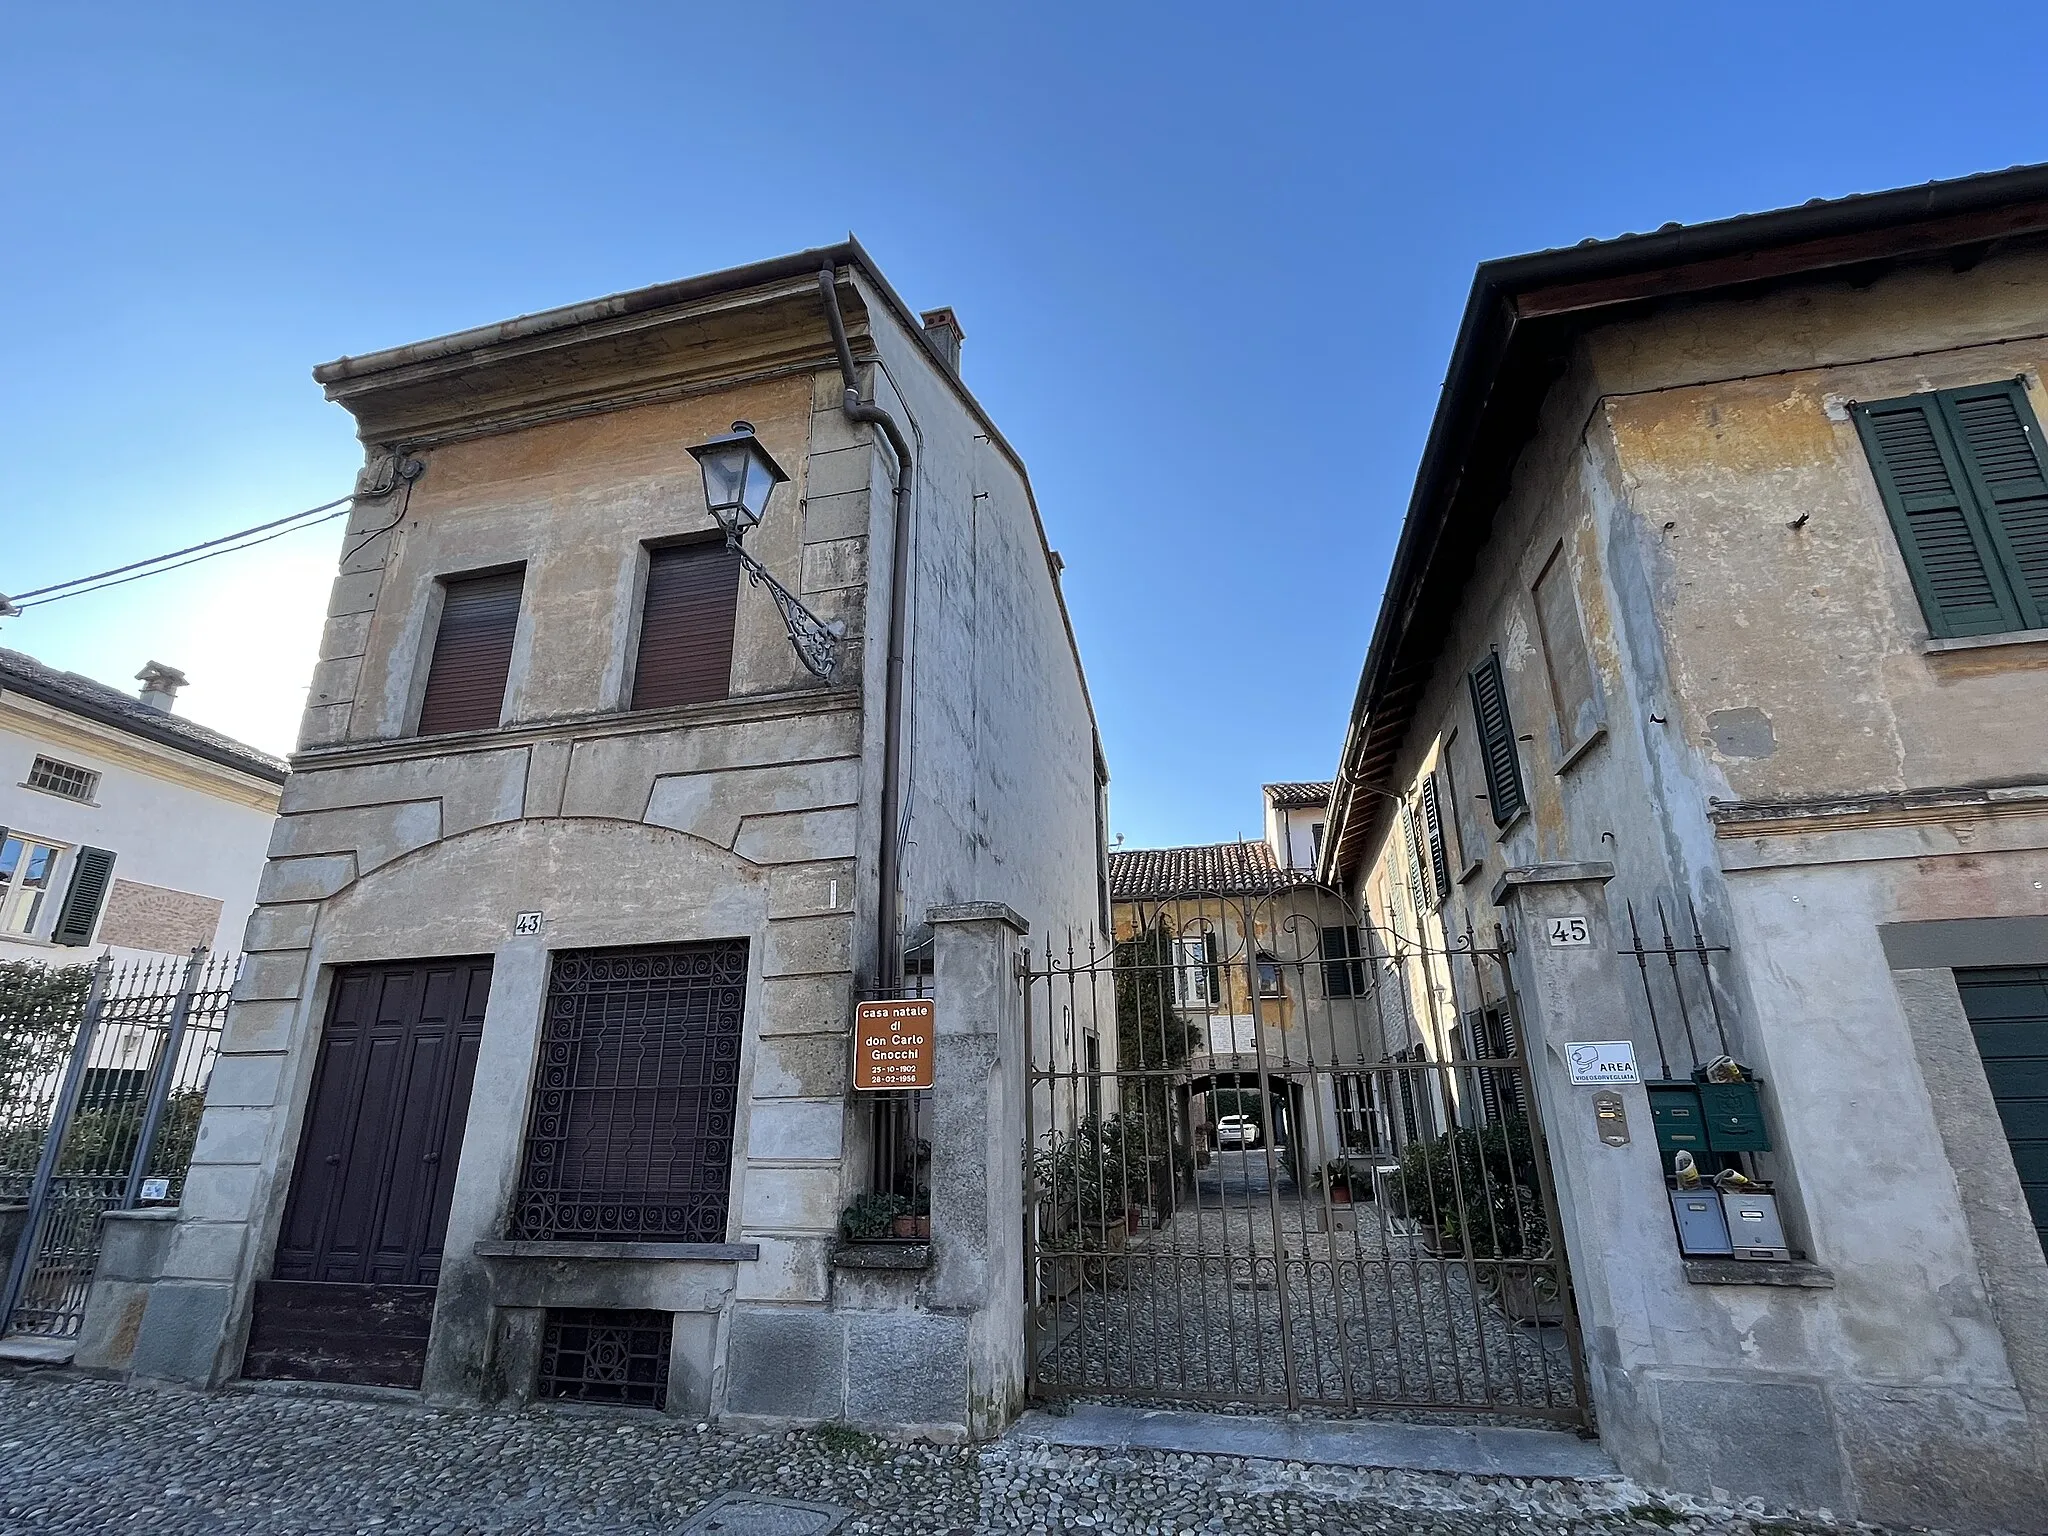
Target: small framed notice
pixel 156 1189
pixel 893 1045
pixel 1594 1062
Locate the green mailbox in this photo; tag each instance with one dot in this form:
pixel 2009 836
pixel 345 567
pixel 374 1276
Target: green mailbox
pixel 1734 1115
pixel 1675 1112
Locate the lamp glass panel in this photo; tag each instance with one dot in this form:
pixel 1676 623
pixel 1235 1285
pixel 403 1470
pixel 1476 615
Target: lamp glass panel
pixel 760 485
pixel 725 470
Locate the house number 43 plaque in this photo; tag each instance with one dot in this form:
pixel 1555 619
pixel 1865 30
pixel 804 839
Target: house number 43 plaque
pixel 893 1046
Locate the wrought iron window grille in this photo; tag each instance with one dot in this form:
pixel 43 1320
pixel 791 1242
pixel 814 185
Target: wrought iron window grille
pixel 635 1100
pixel 1687 1010
pixel 593 1355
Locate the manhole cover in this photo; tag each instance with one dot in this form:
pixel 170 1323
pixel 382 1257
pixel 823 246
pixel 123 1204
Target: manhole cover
pixel 754 1514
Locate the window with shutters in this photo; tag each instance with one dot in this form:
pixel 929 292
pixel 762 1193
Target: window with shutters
pixel 1964 478
pixel 1419 893
pixel 472 653
pixel 91 873
pixel 1433 837
pixel 1497 753
pixel 1567 660
pixel 26 870
pixel 1343 962
pixel 1465 840
pixel 686 621
pixel 65 779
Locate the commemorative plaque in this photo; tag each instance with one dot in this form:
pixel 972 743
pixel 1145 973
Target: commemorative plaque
pixel 892 1045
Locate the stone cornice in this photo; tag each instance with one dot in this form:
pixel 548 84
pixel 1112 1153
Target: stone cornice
pixel 607 723
pixel 500 378
pixel 1899 808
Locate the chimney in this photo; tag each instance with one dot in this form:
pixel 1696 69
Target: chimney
pixel 943 327
pixel 160 685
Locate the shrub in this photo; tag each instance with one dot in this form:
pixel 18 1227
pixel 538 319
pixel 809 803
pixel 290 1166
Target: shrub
pixel 1493 1169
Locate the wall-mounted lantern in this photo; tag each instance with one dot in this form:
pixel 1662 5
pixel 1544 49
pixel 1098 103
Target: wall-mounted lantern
pixel 739 477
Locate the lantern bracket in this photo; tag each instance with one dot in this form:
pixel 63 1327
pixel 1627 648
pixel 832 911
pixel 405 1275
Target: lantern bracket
pixel 816 643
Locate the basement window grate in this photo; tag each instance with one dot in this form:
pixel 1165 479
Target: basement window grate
pixel 599 1356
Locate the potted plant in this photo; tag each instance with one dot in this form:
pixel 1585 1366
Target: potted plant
pixel 871 1218
pixel 921 1213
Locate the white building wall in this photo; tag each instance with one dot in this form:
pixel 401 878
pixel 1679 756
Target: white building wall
pixel 172 822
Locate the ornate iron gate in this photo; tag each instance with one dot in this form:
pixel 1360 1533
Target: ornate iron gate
pixel 103 1073
pixel 1281 1158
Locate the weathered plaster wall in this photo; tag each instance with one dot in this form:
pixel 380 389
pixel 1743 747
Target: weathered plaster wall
pixel 1001 740
pixel 1747 663
pixel 739 818
pixel 1796 653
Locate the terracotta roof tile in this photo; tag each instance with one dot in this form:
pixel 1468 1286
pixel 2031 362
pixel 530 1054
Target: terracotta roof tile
pixel 1208 869
pixel 1297 796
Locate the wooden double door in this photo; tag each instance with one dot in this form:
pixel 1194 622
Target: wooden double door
pixel 351 1292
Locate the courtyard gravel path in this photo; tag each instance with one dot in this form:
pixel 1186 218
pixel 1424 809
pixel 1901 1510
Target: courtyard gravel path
pixel 81 1456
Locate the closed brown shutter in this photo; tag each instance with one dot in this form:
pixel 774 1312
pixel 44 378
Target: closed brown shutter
pixel 472 654
pixel 686 626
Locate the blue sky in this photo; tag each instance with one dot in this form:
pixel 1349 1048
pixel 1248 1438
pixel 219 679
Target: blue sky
pixel 1209 260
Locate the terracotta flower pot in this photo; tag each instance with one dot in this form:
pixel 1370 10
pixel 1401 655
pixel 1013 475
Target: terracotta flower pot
pixel 904 1226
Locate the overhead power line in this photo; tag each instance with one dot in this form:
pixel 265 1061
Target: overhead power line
pixel 191 554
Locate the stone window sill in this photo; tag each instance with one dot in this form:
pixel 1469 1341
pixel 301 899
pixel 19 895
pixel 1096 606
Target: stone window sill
pixel 1985 642
pixel 1798 1273
pixel 882 1256
pixel 714 1253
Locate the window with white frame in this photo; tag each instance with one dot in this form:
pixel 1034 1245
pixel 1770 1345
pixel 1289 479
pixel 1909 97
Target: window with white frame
pixel 26 870
pixel 1194 971
pixel 66 779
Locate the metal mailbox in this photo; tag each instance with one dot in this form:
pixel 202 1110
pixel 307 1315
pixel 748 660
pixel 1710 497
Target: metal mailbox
pixel 1754 1231
pixel 1734 1117
pixel 1676 1114
pixel 1702 1224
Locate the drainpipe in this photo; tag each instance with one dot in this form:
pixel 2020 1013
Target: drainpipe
pixel 889 938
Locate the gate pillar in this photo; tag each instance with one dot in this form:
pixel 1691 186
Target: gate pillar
pixel 977 1178
pixel 1626 1272
pixel 1690 1393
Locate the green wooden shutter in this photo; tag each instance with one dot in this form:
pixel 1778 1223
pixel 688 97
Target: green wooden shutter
pixel 90 877
pixel 1433 826
pixel 1941 528
pixel 2002 450
pixel 1417 897
pixel 1497 741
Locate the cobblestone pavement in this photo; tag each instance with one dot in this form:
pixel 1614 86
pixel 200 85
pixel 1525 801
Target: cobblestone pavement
pixel 86 1456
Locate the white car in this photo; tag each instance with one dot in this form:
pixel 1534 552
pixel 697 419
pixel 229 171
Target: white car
pixel 1238 1131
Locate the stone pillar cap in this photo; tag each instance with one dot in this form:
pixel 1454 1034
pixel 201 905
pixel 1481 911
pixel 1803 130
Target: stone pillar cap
pixel 978 912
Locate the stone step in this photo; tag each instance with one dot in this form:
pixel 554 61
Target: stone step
pixel 1475 1450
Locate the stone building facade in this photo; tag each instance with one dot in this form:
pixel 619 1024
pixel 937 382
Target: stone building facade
pixel 1719 601
pixel 505 888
